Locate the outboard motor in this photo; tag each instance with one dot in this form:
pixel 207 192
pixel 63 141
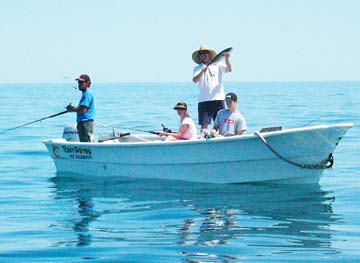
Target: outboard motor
pixel 70 133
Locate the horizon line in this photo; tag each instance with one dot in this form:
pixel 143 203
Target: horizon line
pixel 176 82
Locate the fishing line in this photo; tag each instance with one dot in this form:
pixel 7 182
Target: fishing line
pixel 108 126
pixel 316 119
pixel 66 77
pixel 44 118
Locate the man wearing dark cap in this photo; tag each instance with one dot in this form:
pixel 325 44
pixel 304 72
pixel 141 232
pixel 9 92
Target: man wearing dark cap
pixel 85 111
pixel 229 121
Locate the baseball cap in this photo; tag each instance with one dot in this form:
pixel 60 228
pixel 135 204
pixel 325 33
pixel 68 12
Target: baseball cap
pixel 231 96
pixel 83 77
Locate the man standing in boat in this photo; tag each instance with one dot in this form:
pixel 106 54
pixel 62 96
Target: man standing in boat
pixel 209 79
pixel 85 111
pixel 229 121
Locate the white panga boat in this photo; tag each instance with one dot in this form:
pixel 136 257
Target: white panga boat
pixel 297 155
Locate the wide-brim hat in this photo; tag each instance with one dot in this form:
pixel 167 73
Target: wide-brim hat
pixel 196 57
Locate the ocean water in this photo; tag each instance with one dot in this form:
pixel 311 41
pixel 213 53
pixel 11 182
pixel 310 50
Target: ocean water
pixel 46 218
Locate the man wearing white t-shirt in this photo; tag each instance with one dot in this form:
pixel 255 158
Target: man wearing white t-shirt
pixel 209 79
pixel 229 122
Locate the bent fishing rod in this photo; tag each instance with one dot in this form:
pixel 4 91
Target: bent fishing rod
pixel 44 118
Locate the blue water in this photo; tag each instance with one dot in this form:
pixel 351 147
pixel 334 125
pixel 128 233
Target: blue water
pixel 46 218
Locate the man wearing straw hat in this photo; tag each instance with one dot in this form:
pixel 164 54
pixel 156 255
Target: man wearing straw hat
pixel 209 79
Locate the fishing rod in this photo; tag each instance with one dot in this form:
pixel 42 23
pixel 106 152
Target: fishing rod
pixel 115 137
pixel 48 117
pixel 135 129
pixel 127 128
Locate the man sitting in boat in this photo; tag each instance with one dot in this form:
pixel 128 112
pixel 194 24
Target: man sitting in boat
pixel 229 122
pixel 187 128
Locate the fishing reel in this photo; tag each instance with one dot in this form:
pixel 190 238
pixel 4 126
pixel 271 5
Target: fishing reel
pixel 206 134
pixel 165 129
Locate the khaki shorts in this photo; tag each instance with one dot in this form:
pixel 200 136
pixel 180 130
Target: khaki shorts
pixel 85 131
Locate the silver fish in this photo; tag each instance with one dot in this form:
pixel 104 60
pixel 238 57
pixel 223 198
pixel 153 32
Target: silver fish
pixel 219 56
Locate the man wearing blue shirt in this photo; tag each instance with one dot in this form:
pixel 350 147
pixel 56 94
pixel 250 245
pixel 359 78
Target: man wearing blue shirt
pixel 85 111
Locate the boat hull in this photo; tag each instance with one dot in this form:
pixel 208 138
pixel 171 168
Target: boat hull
pixel 238 159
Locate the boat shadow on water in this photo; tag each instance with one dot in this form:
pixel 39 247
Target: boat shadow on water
pixel 244 217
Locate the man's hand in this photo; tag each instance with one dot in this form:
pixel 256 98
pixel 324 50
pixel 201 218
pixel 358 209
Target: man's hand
pixel 213 132
pixel 70 108
pixel 203 67
pixel 161 133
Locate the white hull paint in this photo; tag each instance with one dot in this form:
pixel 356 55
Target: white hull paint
pixel 238 159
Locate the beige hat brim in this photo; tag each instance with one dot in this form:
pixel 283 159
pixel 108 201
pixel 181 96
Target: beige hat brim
pixel 196 57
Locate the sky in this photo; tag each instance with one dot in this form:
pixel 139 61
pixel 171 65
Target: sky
pixel 152 41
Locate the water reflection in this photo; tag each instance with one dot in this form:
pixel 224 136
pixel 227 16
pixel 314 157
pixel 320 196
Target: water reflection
pixel 195 219
pixel 265 219
pixel 87 213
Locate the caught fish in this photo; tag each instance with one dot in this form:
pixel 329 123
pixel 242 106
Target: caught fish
pixel 220 56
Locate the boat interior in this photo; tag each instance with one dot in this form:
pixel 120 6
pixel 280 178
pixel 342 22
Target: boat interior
pixel 127 137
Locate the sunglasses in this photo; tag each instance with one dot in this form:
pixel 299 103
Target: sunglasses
pixel 203 53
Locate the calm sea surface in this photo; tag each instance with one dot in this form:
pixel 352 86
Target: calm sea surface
pixel 46 218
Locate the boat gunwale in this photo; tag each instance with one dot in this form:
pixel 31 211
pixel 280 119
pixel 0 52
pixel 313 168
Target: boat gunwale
pixel 200 141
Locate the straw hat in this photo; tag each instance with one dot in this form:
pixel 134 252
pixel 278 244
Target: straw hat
pixel 195 54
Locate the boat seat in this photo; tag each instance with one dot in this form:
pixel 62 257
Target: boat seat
pixel 133 138
pixel 271 129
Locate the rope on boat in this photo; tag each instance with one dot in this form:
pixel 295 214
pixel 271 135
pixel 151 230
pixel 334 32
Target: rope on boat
pixel 324 164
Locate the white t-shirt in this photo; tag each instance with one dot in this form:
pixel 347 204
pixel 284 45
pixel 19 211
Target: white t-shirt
pixel 230 123
pixel 210 83
pixel 191 133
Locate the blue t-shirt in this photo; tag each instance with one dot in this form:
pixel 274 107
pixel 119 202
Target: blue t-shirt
pixel 87 99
